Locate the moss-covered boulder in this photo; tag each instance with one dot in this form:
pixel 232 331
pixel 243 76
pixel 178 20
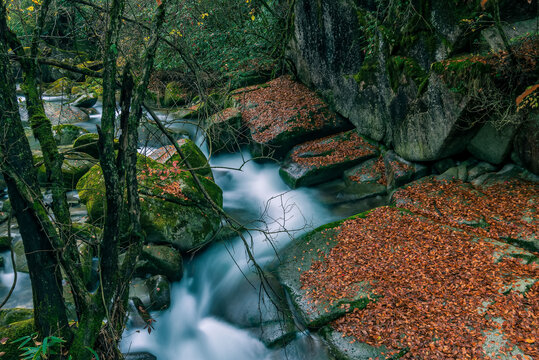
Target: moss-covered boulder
pixel 60 87
pixel 8 316
pixel 175 95
pixel 194 156
pixel 225 131
pixel 325 159
pixel 74 166
pixel 67 133
pixel 283 113
pixel 59 114
pixel 13 332
pixel 160 260
pixel 173 209
pixel 87 143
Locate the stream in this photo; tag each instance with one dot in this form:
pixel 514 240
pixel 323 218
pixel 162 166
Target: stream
pixel 205 320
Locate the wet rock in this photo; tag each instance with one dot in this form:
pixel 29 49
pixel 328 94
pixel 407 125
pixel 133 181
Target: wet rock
pixel 514 30
pixel 67 133
pixel 139 356
pixel 159 289
pixel 347 348
pixel 400 172
pixel 443 165
pixel 85 101
pixel 480 169
pixel 194 156
pixel 366 179
pixel 283 113
pixel 58 114
pixel 160 260
pixel 225 131
pixel 173 210
pixel 491 144
pixel 325 159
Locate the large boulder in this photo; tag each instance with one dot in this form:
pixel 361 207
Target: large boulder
pixel 11 332
pixel 175 95
pixel 67 133
pixel 59 114
pixel 194 156
pixel 283 113
pixel 491 144
pixel 325 159
pixel 173 210
pixel 74 166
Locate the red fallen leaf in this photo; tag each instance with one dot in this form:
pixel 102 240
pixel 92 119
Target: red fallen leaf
pixel 159 2
pixel 4 340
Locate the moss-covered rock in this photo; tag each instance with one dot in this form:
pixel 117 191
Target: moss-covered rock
pixel 12 332
pixel 160 260
pixel 325 159
pixel 74 166
pixel 195 157
pixel 8 316
pixel 67 133
pixel 61 86
pixel 175 95
pixel 85 101
pixel 87 143
pixel 173 210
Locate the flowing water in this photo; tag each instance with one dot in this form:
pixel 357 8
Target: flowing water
pixel 205 320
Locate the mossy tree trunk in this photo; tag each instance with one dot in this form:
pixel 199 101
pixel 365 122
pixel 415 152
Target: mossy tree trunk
pixel 17 167
pixel 45 247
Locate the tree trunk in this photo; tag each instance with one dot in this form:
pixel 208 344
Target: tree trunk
pixel 17 166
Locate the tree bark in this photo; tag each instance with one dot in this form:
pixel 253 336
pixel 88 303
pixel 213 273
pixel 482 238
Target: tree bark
pixel 16 164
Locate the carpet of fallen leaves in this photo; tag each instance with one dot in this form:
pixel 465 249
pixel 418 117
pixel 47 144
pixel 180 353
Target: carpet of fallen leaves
pixel 283 105
pixel 332 149
pixel 432 280
pixel 378 168
pixel 503 210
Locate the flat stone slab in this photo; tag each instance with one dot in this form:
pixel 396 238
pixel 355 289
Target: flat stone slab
pixel 325 159
pixel 283 113
pixel 391 279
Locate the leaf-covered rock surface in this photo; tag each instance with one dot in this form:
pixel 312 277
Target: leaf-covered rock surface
pixel 433 291
pixel 325 159
pixel 507 210
pixel 282 113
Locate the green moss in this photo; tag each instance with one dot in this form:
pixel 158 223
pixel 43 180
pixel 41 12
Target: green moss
pixel 87 143
pixel 397 66
pixel 458 73
pixel 13 332
pixel 9 316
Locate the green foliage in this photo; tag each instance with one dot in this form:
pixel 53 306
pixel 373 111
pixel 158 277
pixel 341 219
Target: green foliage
pixel 51 345
pixel 399 65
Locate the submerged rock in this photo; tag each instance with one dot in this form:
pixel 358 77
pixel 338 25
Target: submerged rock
pixel 283 113
pixel 173 210
pixel 325 159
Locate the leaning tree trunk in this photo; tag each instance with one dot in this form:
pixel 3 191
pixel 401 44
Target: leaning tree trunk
pixel 16 164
